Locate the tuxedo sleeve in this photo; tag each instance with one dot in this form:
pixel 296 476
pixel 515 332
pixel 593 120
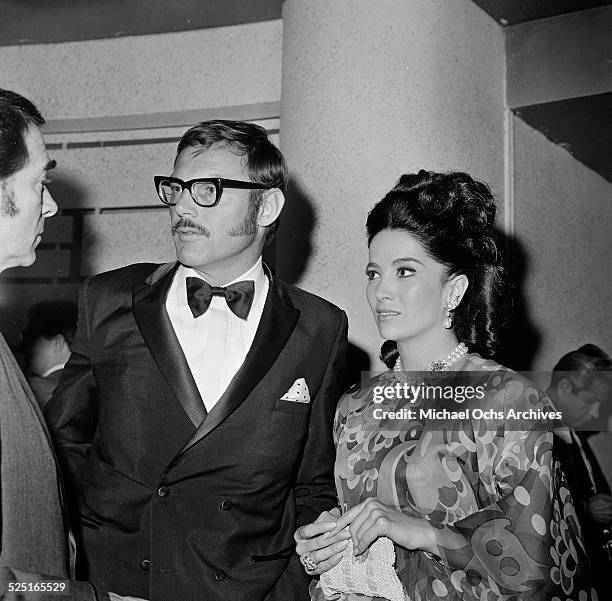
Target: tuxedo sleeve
pixel 315 490
pixel 71 412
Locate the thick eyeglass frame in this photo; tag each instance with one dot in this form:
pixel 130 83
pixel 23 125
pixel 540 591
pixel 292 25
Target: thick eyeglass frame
pixel 218 182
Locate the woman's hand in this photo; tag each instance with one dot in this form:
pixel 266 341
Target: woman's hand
pixel 316 543
pixel 372 518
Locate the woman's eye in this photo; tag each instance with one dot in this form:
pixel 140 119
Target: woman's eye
pixel 405 272
pixel 370 274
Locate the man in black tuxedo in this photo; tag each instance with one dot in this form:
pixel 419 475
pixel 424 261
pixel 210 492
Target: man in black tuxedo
pixel 194 417
pixel 580 389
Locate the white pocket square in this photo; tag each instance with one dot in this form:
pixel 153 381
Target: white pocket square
pixel 298 393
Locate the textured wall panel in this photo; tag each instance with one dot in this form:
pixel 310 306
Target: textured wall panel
pixel 112 240
pixel 148 74
pixel 109 177
pixel 563 223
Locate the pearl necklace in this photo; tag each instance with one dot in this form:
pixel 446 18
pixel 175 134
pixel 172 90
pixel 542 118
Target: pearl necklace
pixel 440 365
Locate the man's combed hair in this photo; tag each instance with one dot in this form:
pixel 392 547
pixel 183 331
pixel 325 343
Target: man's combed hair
pixel 584 363
pixel 264 162
pixel 48 319
pixel 17 114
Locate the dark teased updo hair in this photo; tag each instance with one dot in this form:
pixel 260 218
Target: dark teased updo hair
pixel 453 217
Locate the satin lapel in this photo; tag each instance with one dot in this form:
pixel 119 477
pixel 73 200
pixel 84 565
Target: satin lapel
pixel 154 324
pixel 276 326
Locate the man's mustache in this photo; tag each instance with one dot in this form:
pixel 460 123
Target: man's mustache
pixel 183 222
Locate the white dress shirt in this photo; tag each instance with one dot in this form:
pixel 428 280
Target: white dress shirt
pixel 216 343
pixel 55 368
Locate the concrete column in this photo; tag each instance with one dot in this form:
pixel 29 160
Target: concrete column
pixel 371 90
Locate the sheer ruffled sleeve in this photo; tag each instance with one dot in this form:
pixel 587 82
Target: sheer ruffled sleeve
pixel 525 542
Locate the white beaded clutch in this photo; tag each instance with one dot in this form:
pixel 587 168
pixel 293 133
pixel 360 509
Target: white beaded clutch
pixel 373 576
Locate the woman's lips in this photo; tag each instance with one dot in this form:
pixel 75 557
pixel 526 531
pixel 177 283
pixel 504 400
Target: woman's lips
pixel 385 315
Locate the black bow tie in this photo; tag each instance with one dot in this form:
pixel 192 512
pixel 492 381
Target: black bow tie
pixel 238 296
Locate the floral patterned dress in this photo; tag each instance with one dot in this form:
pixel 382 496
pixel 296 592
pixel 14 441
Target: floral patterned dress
pixel 504 520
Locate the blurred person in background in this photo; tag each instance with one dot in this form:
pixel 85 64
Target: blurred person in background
pixel 580 388
pixel 46 345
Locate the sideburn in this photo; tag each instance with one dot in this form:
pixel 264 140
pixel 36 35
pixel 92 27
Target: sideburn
pixel 249 226
pixel 8 206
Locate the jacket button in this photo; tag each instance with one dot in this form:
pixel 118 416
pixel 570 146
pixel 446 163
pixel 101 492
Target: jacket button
pixel 226 504
pixel 219 575
pixel 145 565
pixel 163 492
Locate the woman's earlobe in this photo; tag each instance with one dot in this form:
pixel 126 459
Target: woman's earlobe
pixel 459 288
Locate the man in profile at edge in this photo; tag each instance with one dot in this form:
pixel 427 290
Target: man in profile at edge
pixel 36 556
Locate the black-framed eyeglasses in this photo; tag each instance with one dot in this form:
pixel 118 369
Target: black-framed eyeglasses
pixel 205 191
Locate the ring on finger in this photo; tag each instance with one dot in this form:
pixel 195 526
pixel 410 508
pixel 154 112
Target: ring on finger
pixel 308 562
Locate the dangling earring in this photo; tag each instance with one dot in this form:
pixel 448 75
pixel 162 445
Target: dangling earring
pixel 450 306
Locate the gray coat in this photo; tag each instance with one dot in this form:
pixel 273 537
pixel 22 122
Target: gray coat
pixel 34 538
